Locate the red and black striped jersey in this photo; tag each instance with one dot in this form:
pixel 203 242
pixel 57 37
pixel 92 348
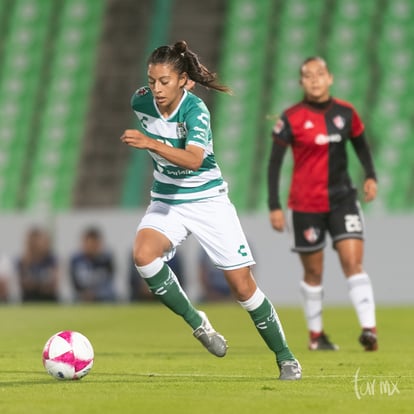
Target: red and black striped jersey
pixel 318 135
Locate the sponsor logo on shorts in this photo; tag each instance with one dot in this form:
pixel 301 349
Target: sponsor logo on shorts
pixel 311 234
pixel 241 250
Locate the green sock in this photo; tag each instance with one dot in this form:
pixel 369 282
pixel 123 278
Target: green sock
pixel 269 327
pixel 166 287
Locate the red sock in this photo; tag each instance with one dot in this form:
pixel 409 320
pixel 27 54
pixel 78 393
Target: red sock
pixel 315 335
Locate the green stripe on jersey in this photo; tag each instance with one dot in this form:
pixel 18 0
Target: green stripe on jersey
pixel 169 189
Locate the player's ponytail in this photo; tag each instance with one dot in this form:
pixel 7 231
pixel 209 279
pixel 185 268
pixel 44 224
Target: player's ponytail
pixel 185 61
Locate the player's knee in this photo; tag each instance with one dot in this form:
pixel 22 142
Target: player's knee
pixel 352 267
pixel 313 275
pixel 143 255
pixel 243 293
pixel 242 287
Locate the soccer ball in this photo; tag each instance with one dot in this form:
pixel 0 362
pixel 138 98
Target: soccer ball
pixel 68 355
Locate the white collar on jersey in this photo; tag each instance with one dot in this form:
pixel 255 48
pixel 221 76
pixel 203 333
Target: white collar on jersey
pixel 175 110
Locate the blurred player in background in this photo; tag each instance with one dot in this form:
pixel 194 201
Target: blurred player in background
pixel 322 198
pixel 189 195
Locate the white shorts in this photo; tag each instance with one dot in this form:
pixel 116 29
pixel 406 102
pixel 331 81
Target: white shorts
pixel 213 222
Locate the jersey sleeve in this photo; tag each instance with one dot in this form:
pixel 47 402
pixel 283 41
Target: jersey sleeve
pixel 141 102
pixel 198 126
pixel 140 97
pixel 281 132
pixel 357 126
pixel 273 174
pixel 363 153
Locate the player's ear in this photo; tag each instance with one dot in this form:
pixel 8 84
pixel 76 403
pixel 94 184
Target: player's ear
pixel 183 79
pixel 331 80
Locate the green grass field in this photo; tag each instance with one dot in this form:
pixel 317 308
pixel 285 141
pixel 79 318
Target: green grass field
pixel 146 361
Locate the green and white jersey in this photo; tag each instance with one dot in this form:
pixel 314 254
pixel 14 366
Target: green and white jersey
pixel 188 124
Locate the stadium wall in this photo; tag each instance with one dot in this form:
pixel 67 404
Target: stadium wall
pixel 387 256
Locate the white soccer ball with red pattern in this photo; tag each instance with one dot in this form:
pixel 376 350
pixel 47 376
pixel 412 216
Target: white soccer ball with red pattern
pixel 68 355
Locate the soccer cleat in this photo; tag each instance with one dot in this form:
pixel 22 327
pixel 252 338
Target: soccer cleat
pixel 368 339
pixel 212 340
pixel 322 343
pixel 290 370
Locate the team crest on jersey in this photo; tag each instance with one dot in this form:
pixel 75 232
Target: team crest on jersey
pixel 142 91
pixel 311 234
pixel 279 126
pixel 181 131
pixel 339 122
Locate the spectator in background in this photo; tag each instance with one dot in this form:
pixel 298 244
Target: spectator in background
pixel 212 280
pixel 92 269
pixel 6 273
pixel 37 268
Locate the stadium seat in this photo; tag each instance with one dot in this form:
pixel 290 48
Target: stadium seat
pixel 242 67
pixel 296 38
pixel 61 124
pixel 139 163
pixel 392 112
pixel 20 86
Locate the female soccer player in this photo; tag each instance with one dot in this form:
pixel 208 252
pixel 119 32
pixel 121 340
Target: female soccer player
pixel 189 195
pixel 322 198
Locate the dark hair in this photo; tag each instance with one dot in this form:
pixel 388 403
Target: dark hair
pixel 183 60
pixel 311 59
pixel 92 233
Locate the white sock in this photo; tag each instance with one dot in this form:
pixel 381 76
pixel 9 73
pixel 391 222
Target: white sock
pixel 151 269
pixel 254 301
pixel 362 297
pixel 312 305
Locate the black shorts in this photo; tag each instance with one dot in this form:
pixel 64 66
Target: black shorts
pixel 308 230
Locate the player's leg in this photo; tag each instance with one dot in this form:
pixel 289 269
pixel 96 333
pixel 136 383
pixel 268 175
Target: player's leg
pixel 347 232
pixel 265 318
pixel 219 232
pixel 149 248
pixel 308 239
pixel 350 252
pixel 312 294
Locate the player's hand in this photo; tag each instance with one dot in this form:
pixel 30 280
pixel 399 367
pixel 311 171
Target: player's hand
pixel 370 189
pixel 135 138
pixel 277 219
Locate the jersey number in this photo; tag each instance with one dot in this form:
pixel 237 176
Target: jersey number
pixel 353 223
